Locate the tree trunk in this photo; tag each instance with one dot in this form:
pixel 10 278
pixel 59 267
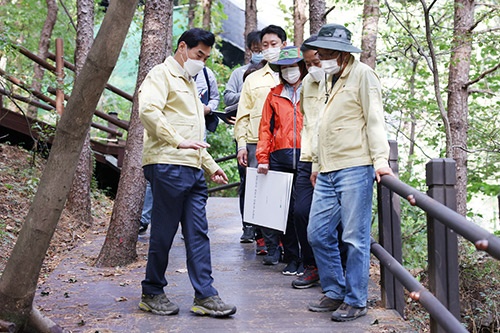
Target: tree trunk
pixel 458 95
pixel 371 14
pixel 191 13
pixel 19 279
pixel 207 14
pixel 79 203
pixel 120 245
pixel 250 23
pixel 299 20
pixel 316 15
pixel 43 50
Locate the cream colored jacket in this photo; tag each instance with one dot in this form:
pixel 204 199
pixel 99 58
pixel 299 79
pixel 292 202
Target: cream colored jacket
pixel 312 100
pixel 351 127
pixel 171 112
pixel 253 95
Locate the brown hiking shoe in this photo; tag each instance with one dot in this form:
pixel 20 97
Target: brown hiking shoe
pixel 325 304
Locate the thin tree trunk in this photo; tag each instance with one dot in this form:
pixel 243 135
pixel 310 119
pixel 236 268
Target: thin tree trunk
pixel 43 50
pixel 19 279
pixel 207 14
pixel 191 13
pixel 299 20
pixel 250 22
pixel 371 14
pixel 458 95
pixel 120 245
pixel 316 15
pixel 79 203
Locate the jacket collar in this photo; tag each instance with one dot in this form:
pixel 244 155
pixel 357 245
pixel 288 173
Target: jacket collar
pixel 175 68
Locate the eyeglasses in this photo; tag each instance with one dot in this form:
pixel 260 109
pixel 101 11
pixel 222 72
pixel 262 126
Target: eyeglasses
pixel 328 54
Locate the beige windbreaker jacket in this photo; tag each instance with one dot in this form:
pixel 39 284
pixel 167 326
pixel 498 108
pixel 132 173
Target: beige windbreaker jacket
pixel 171 112
pixel 253 95
pixel 351 127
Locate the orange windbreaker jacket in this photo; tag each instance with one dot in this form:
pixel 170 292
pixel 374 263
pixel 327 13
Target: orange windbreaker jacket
pixel 279 130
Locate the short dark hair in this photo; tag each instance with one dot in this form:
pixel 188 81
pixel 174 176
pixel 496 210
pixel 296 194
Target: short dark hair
pixel 311 39
pixel 252 38
pixel 195 36
pixel 274 29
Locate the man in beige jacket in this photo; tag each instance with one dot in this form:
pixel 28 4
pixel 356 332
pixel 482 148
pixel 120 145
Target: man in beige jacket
pixel 174 158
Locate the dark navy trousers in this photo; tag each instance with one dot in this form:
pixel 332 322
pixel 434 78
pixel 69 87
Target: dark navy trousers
pixel 179 195
pixel 303 198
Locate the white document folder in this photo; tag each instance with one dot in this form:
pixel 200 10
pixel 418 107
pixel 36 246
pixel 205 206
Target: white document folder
pixel 267 198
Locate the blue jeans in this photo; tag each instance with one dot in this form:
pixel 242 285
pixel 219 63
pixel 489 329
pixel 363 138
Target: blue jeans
pixel 147 208
pixel 343 197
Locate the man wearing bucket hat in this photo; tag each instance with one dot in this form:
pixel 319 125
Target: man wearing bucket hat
pixel 278 147
pixel 349 152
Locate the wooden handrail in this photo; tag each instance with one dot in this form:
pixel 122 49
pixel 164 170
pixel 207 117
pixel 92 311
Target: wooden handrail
pixel 115 121
pixel 68 65
pixel 117 91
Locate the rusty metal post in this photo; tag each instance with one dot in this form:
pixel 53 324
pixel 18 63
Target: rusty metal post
pixel 60 76
pixel 442 241
pixel 389 230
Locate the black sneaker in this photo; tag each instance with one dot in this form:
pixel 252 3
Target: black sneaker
pixel 272 257
pixel 248 235
pixel 158 304
pixel 212 306
pixel 325 304
pixel 143 228
pixel 347 312
pixel 291 268
pixel 309 279
pixel 300 269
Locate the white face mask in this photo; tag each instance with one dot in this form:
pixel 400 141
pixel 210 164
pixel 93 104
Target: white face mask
pixel 330 66
pixel 291 74
pixel 271 54
pixel 317 73
pixel 193 67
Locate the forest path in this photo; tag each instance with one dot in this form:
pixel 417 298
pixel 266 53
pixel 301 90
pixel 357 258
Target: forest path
pixel 83 298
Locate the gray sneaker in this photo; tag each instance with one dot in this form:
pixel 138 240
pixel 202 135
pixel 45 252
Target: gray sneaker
pixel 347 312
pixel 158 304
pixel 212 306
pixel 325 304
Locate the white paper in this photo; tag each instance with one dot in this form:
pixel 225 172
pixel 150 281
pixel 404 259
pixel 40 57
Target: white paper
pixel 267 198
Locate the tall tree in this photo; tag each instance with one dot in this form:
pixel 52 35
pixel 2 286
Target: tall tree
pixel 43 49
pixel 458 94
pixel 207 14
pixel 317 18
pixel 120 245
pixel 250 22
pixel 299 20
pixel 79 203
pixel 19 279
pixel 191 13
pixel 371 14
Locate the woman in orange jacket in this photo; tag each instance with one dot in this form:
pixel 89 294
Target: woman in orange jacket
pixel 278 147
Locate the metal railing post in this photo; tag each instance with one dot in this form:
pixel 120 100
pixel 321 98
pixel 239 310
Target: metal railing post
pixel 442 241
pixel 389 230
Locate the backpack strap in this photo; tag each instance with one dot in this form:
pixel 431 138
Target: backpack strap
pixel 205 73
